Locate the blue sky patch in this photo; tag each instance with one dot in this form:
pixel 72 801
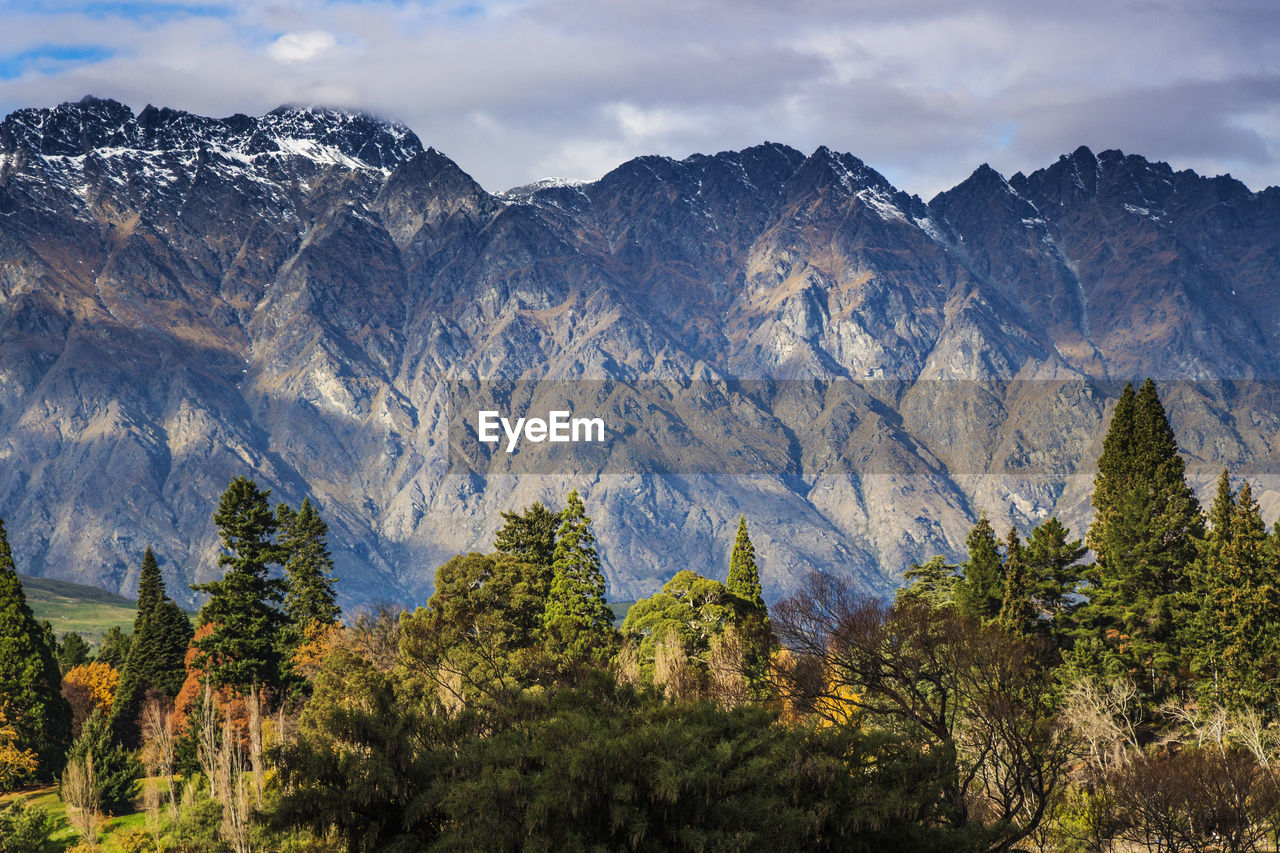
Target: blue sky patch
pixel 50 58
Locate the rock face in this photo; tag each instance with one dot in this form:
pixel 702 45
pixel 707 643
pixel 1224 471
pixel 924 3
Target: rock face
pixel 296 296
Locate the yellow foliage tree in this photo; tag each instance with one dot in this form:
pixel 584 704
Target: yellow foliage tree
pixel 16 765
pixel 100 680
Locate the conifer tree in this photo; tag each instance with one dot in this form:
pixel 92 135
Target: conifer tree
pixel 753 625
pixel 530 536
pixel 577 621
pixel 244 606
pixel 30 683
pixel 1052 571
pixel 309 580
pixel 1202 633
pixel 161 634
pixel 1240 659
pixel 1017 612
pixel 116 768
pixel 981 593
pixel 744 574
pixel 1144 532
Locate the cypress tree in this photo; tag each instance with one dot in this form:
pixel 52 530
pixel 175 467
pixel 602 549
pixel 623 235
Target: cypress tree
pixel 157 650
pixel 577 621
pixel 244 606
pixel 30 683
pixel 981 593
pixel 309 580
pixel 1144 532
pixel 744 574
pixel 744 583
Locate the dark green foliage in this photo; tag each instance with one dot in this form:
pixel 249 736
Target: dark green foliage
pixel 484 622
pixel 1017 611
pixel 596 768
pixel 744 574
pixel 157 650
pixel 365 758
pixel 1240 650
pixel 1144 533
pixel 592 767
pixel 531 536
pixel 114 649
pixel 27 829
pixel 116 768
pixel 309 596
pixel 30 682
pixel 753 619
pixel 577 621
pixel 934 582
pixel 1053 573
pixel 981 592
pixel 72 651
pixel 242 651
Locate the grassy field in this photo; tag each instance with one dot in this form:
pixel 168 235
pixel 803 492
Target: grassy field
pixel 87 610
pixel 48 799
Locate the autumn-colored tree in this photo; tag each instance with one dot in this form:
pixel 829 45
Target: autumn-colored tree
pixel 87 687
pixel 17 765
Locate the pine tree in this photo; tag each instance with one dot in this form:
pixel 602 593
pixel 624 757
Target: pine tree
pixel 1243 612
pixel 1017 612
pixel 1144 533
pixel 309 580
pixel 243 607
pixel 1052 572
pixel 1201 631
pixel 981 593
pixel 116 768
pixel 577 621
pixel 30 683
pixel 161 633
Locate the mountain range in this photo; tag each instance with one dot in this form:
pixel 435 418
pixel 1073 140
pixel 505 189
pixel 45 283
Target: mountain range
pixel 298 297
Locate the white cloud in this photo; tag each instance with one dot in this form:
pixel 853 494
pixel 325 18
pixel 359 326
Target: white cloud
pixel 920 89
pixel 300 47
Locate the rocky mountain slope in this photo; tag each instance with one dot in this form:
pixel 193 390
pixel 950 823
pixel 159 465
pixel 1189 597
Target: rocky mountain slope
pixel 311 298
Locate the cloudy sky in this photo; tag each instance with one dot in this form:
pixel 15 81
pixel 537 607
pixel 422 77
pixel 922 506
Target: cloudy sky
pixel 515 90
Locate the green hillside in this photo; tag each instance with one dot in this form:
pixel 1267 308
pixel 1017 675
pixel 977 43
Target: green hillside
pixel 87 610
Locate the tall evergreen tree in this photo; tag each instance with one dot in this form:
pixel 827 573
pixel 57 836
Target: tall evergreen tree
pixel 244 606
pixel 157 650
pixel 753 624
pixel 1144 532
pixel 1240 663
pixel 309 580
pixel 981 593
pixel 1017 611
pixel 577 621
pixel 530 536
pixel 117 769
pixel 1201 631
pixel 30 683
pixel 744 574
pixel 1053 572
